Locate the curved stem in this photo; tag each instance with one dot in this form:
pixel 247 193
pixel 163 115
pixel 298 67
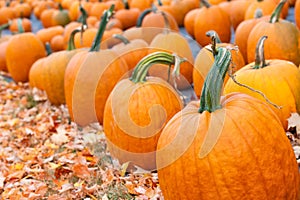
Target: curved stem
pixel 276 13
pixel 142 16
pixel 83 16
pixel 140 71
pixel 71 43
pixel 122 38
pixel 105 18
pixel 215 39
pixel 212 88
pixel 260 61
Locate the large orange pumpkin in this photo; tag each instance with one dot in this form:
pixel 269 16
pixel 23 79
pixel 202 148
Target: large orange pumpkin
pixel 137 110
pixel 278 80
pixel 21 52
pixel 230 147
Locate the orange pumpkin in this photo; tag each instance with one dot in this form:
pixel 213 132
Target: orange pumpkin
pixel 278 80
pixel 18 25
pixel 223 142
pixel 155 18
pixel 205 59
pixel 136 111
pixel 46 34
pixel 6 13
pixel 89 78
pixel 211 17
pixel 132 51
pixel 175 43
pixel 243 30
pixel 280 46
pixel 128 16
pixel 22 51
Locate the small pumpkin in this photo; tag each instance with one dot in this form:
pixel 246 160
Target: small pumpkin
pixel 175 43
pixel 136 111
pixel 283 38
pixel 89 78
pixel 205 59
pixel 211 17
pixel 22 51
pixel 152 17
pixel 60 17
pixel 132 51
pixel 243 30
pixel 278 80
pixel 219 137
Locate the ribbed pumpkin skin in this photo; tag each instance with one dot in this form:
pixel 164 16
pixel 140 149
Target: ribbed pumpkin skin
pixel 137 138
pixel 282 41
pixel 212 18
pixel 21 52
pixel 174 43
pixel 89 79
pixel 253 159
pixel 279 81
pixel 54 67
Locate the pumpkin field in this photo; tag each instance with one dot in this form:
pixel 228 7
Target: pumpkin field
pixel 150 100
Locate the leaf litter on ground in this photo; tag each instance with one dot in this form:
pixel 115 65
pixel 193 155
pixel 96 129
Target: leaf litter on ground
pixel 43 155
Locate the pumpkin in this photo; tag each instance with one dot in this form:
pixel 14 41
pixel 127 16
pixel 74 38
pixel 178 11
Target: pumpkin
pixel 36 74
pixel 57 43
pixel 21 52
pixel 205 59
pixel 46 17
pixel 89 78
pixel 266 6
pixel 243 30
pixel 3 45
pixel 297 13
pixel 175 43
pixel 46 34
pixel 18 25
pixel 136 111
pixel 60 17
pixel 132 51
pixel 54 71
pixel 189 21
pixel 128 16
pixel 23 10
pixel 152 17
pixel 236 10
pixel 283 38
pixel 142 5
pixel 225 147
pixel 211 17
pixel 6 13
pixel 278 80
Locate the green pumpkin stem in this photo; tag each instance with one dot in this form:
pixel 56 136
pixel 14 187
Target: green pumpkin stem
pixel 71 43
pixel 104 20
pixel 4 26
pixel 212 89
pixel 276 13
pixel 122 38
pixel 48 48
pixel 140 71
pixel 142 16
pixel 215 39
pixel 159 3
pixel 83 16
pixel 20 26
pixel 126 4
pixel 205 3
pixel 260 61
